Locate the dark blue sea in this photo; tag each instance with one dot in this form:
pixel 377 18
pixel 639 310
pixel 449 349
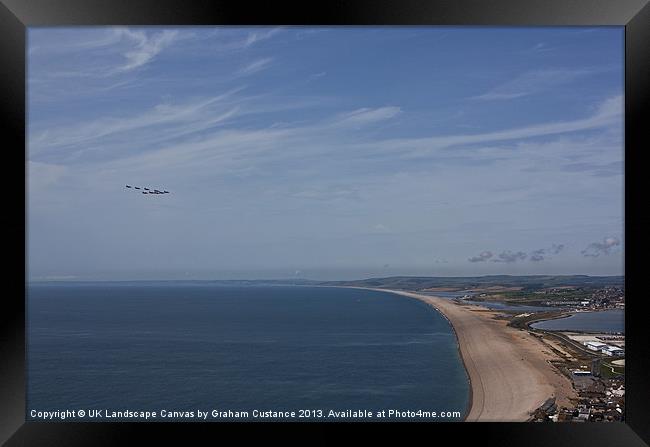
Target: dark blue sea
pixel 188 346
pixel 600 321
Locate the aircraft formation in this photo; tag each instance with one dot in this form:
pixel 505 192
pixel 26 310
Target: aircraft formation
pixel 148 190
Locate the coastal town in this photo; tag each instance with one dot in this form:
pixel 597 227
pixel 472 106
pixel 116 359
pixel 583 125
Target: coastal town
pixel 576 373
pixel 594 362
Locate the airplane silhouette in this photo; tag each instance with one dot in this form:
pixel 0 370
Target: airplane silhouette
pixel 148 191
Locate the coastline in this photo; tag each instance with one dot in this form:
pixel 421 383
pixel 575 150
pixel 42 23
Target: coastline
pixel 508 369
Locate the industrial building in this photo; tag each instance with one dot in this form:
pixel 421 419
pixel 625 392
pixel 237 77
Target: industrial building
pixel 612 350
pixel 604 348
pixel 594 345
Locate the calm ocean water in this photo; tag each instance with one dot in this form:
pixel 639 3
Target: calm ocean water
pixel 601 321
pixel 189 346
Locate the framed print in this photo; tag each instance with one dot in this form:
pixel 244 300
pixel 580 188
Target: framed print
pixel 250 218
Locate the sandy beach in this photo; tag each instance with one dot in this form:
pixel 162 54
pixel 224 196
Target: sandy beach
pixel 509 370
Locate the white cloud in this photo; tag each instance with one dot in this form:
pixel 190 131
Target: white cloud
pixel 189 114
pixel 608 112
pixel 259 36
pixel 228 40
pixel 533 82
pixel 315 76
pixel 596 249
pixel 366 115
pixel 482 257
pixel 147 47
pixel 510 257
pixel 256 66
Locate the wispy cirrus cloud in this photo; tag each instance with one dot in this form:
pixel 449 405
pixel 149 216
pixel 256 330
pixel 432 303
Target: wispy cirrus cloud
pixel 255 66
pixel 165 135
pixel 315 76
pixel 183 117
pixel 228 40
pixel 146 46
pixel 533 82
pixel 77 43
pixel 606 169
pixel 170 127
pixel 368 115
pixel 609 112
pixel 540 47
pixel 261 35
pixel 121 50
pixel 328 166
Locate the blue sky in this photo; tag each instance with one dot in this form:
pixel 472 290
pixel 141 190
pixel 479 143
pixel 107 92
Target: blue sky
pixel 324 153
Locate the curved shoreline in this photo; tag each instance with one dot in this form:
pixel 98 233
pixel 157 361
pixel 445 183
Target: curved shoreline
pixel 508 369
pixel 470 392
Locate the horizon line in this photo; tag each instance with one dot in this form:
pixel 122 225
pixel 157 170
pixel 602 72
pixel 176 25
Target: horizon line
pixel 320 281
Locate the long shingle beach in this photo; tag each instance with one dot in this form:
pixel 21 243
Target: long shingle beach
pixel 509 369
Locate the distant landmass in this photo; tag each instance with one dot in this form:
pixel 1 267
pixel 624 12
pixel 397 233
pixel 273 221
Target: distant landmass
pixel 532 282
pixel 451 283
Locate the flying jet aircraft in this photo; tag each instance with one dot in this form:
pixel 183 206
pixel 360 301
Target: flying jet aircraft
pixel 148 190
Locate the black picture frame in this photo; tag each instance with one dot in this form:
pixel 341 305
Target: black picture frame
pixel 17 15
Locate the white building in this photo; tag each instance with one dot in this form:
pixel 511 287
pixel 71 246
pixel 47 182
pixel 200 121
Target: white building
pixel 594 345
pixel 612 350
